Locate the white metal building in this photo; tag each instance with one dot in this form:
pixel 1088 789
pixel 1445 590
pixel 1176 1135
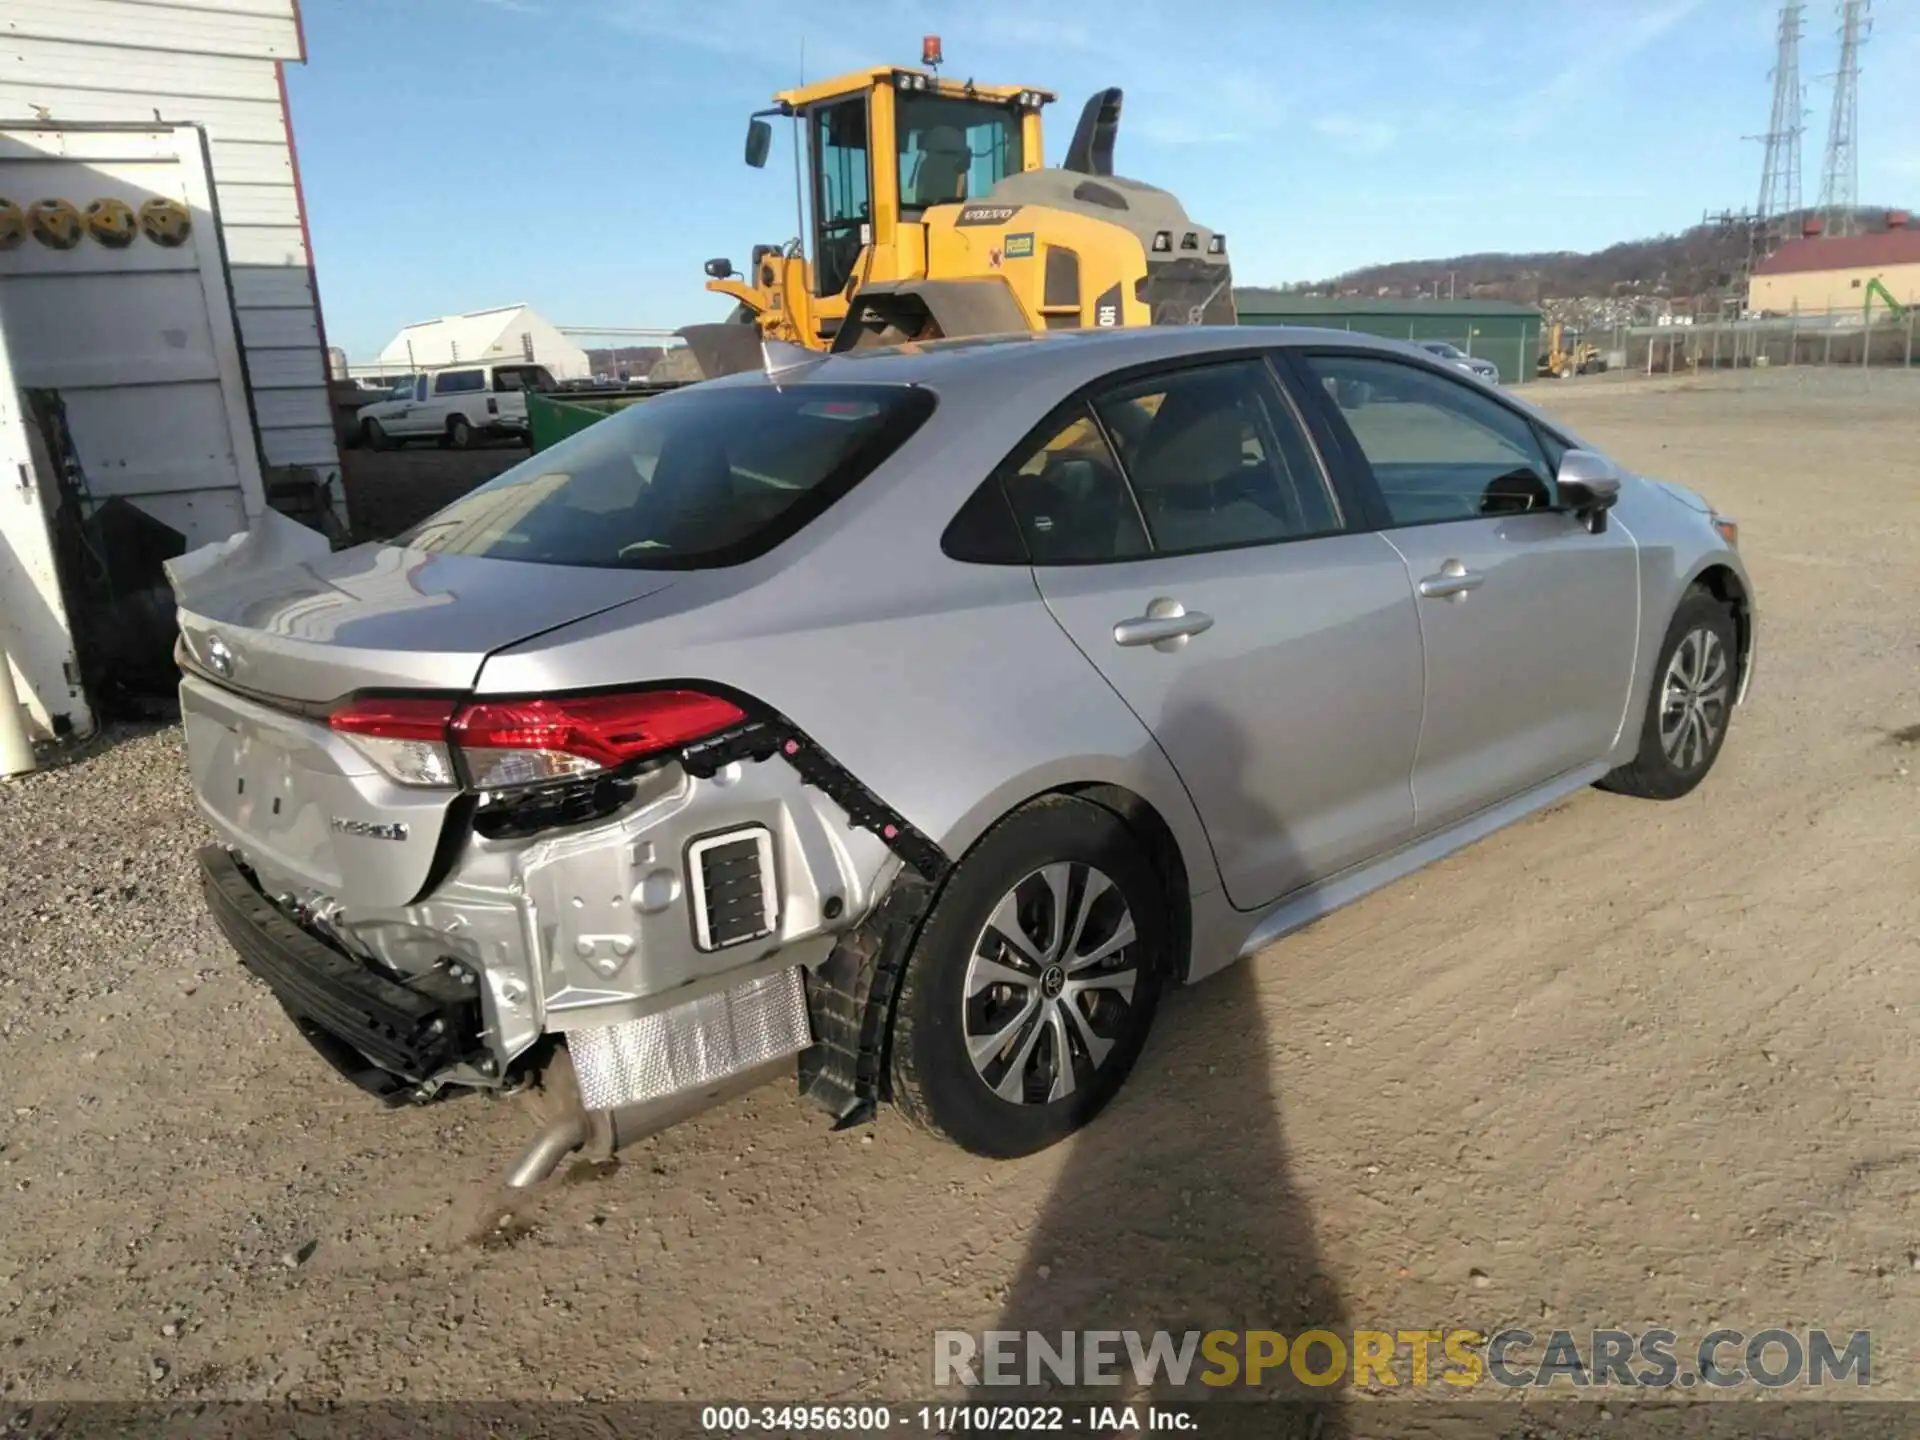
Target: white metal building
pixel 508 332
pixel 161 350
pixel 216 63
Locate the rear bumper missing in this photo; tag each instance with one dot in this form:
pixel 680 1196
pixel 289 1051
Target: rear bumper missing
pixel 383 1035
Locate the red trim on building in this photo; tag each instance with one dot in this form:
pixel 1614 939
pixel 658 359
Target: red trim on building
pixel 1843 252
pixel 300 31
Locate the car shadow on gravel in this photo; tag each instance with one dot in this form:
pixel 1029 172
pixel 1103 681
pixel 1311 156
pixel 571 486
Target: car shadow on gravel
pixel 1177 1210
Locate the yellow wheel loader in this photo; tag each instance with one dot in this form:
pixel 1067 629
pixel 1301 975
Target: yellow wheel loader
pixel 931 215
pixel 1567 355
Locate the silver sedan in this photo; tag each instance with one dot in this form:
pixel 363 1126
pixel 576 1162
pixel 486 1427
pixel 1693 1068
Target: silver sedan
pixel 907 720
pixel 1454 355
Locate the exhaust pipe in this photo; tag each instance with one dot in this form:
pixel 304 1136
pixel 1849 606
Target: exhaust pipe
pixel 552 1145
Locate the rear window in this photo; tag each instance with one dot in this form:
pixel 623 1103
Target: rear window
pixel 522 377
pixel 705 477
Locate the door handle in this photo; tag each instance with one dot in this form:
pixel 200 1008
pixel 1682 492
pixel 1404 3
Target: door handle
pixel 1452 583
pixel 1166 626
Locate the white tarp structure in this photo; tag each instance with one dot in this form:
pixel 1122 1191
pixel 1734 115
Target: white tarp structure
pixel 504 334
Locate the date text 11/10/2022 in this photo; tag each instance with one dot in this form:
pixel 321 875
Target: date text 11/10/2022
pixel 943 1419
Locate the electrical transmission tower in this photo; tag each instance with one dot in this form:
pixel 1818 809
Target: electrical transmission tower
pixel 1840 174
pixel 1780 172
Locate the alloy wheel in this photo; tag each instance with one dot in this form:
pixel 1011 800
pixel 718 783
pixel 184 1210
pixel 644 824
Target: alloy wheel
pixel 1050 984
pixel 1694 698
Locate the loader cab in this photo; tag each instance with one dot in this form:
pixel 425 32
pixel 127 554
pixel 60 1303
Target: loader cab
pixel 881 147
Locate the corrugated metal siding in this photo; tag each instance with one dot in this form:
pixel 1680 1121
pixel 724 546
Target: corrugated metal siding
pixel 214 63
pixel 234 29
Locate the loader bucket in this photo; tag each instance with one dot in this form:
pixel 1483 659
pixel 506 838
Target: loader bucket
pixel 895 313
pixel 724 349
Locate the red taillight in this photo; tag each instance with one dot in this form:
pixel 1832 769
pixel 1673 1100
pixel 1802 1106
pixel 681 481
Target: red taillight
pixel 504 743
pixel 518 742
pixel 395 718
pixel 406 736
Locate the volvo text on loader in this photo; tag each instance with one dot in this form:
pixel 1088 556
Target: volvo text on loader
pixel 932 215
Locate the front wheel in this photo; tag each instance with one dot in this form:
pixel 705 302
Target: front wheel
pixel 1028 995
pixel 375 434
pixel 1689 705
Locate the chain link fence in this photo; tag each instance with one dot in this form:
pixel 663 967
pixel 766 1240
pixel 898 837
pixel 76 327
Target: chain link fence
pixel 1817 340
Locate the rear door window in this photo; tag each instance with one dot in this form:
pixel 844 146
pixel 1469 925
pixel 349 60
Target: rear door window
pixel 704 477
pixel 1070 497
pixel 1217 460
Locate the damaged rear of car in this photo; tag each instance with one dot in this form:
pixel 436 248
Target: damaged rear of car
pixel 467 804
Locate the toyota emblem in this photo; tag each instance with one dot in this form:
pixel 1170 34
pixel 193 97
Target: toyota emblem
pixel 219 657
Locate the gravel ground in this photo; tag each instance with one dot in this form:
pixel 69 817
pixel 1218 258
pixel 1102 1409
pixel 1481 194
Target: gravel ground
pixel 1621 1064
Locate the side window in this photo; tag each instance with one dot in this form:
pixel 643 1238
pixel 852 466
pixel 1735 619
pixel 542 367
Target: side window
pixel 983 531
pixel 1217 459
pixel 1439 450
pixel 458 382
pixel 1067 493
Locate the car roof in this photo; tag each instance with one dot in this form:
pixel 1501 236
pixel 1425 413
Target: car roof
pixel 1057 360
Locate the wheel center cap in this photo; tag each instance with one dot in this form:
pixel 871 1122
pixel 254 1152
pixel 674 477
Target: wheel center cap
pixel 1052 981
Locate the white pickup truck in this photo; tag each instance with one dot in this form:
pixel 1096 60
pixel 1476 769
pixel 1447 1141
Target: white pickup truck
pixel 455 406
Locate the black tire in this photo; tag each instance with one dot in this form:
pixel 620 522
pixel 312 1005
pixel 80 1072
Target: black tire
pixel 459 433
pixel 375 434
pixel 1657 772
pixel 935 1081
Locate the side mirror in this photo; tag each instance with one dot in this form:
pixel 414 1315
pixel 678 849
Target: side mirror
pixel 759 142
pixel 1589 486
pixel 719 269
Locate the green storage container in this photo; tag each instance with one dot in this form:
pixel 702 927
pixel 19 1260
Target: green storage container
pixel 552 418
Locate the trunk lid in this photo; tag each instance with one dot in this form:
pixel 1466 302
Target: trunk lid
pixel 311 814
pixel 384 617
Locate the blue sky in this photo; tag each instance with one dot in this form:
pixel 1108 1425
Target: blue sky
pixel 584 155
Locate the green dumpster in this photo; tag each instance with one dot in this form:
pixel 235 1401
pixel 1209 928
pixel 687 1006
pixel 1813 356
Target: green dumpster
pixel 552 418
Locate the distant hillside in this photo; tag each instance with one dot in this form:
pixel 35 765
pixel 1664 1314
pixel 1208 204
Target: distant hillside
pixel 1696 266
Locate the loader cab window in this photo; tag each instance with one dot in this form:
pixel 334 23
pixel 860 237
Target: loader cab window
pixel 842 197
pixel 952 150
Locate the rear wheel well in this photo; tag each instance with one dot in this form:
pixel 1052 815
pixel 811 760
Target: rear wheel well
pixel 1724 585
pixel 853 995
pixel 1163 851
